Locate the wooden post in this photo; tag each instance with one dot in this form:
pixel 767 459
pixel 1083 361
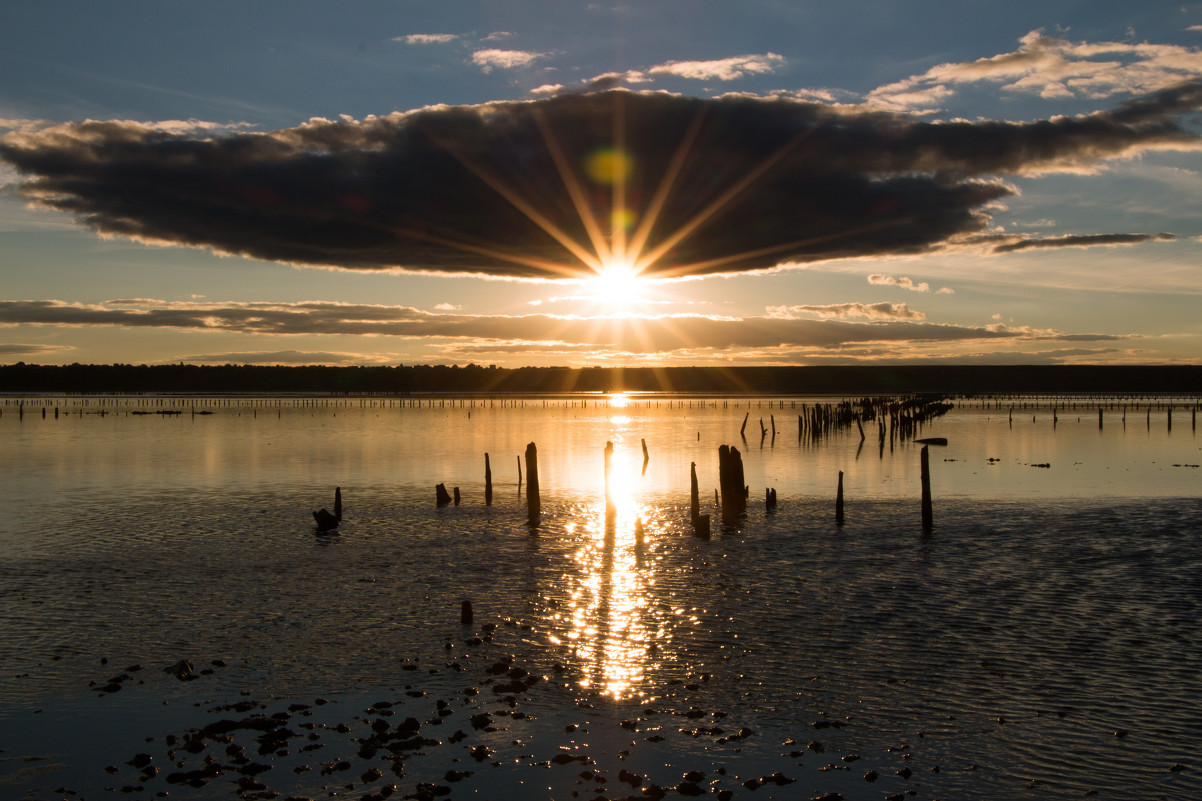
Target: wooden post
pixel 441 496
pixel 519 471
pixel 609 466
pixel 694 496
pixel 1170 417
pixel 338 504
pixel 839 501
pixel 1099 418
pixel 860 426
pixel 465 613
pixel 456 494
pixel 730 479
pixel 646 456
pixel 534 505
pixel 487 482
pixel 743 429
pixel 926 490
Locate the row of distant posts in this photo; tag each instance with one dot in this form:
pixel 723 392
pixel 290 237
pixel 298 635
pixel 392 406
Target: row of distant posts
pixel 733 491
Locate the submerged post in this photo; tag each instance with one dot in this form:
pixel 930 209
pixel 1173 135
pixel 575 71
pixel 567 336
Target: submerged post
pixel 646 455
pixel 609 466
pixel 926 490
pixel 839 501
pixel 487 482
pixel 441 496
pixel 465 613
pixel 743 430
pixel 730 479
pixel 534 506
pixel 694 495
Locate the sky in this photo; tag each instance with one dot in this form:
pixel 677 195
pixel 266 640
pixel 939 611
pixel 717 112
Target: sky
pixel 641 184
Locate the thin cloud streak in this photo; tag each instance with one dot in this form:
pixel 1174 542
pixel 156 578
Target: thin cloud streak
pixel 488 190
pixel 1053 69
pixel 650 337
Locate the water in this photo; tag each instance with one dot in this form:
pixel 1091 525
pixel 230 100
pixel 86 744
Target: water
pixel 1040 642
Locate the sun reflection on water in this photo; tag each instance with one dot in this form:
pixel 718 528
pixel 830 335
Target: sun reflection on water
pixel 613 624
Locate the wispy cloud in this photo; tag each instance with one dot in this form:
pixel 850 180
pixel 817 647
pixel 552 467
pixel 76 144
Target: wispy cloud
pixel 22 350
pixel 282 357
pixel 1011 244
pixel 903 282
pixel 665 337
pixel 493 59
pixel 1052 68
pixel 847 311
pixel 723 69
pixel 447 189
pixel 427 38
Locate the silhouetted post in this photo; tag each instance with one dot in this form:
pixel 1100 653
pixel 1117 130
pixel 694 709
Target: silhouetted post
pixel 1099 418
pixel 465 613
pixel 487 482
pixel 338 504
pixel 456 493
pixel 839 501
pixel 694 495
pixel 534 505
pixel 860 426
pixel 743 430
pixel 770 497
pixel 519 471
pixel 730 479
pixel 1170 419
pixel 646 456
pixel 926 490
pixel 609 466
pixel 638 532
pixel 441 496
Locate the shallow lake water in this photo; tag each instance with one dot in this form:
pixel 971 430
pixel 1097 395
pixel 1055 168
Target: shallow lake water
pixel 1041 640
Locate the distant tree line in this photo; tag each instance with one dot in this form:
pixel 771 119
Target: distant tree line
pixel 412 379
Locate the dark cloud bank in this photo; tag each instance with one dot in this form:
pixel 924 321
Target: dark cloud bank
pixel 454 189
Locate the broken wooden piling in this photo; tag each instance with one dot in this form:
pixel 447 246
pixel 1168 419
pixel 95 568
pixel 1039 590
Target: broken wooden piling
pixel 465 613
pixel 694 495
pixel 730 479
pixel 839 501
pixel 441 496
pixel 534 506
pixel 487 482
pixel 325 520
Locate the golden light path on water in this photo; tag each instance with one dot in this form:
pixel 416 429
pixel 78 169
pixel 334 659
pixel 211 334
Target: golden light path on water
pixel 614 624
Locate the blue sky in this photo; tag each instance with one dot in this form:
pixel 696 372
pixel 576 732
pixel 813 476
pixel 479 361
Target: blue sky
pixel 1044 160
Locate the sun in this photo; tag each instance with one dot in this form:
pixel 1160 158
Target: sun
pixel 618 288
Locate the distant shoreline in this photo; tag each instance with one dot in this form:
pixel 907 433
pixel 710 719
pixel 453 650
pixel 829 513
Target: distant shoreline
pixel 474 379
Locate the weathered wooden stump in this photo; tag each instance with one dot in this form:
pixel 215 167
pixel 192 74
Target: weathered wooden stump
pixel 455 492
pixel 441 496
pixel 534 505
pixel 326 521
pixel 487 482
pixel 730 479
pixel 694 496
pixel 839 501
